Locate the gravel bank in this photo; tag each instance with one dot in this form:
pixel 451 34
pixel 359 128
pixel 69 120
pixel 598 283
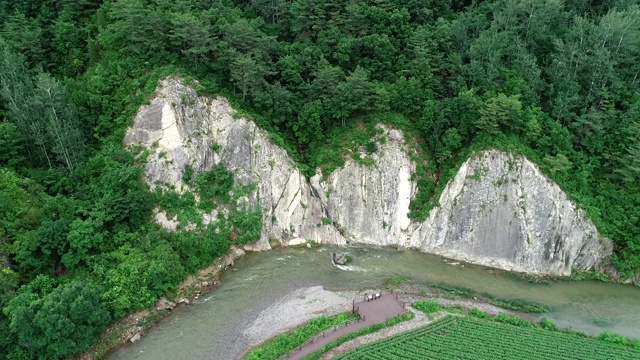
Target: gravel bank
pixel 295 309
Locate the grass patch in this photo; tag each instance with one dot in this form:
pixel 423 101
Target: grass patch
pixel 368 330
pixel 578 275
pixel 396 281
pixel 450 291
pixel 427 307
pixel 510 304
pixel 516 304
pixel 285 343
pixel 454 290
pixel 355 139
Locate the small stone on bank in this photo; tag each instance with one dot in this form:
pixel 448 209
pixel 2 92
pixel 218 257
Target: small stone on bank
pixel 164 304
pixel 135 338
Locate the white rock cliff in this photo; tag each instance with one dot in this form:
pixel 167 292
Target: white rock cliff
pixel 499 210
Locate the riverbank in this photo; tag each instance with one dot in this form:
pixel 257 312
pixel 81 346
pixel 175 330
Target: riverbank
pixel 297 308
pixel 261 285
pixel 302 305
pixel 285 313
pixel 131 328
pixel 419 320
pixel 445 307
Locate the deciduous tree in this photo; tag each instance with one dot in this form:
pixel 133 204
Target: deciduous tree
pixel 57 324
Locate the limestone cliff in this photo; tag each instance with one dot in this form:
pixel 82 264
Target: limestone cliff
pixel 499 210
pixel 370 204
pixel 181 128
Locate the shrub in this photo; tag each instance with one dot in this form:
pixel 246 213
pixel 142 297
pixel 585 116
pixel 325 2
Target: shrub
pixel 395 281
pixel 187 175
pixel 215 183
pixel 479 313
pixel 247 225
pixel 427 307
pixel 548 324
pixel 454 290
pixel 612 338
pixel 517 304
pixel 513 320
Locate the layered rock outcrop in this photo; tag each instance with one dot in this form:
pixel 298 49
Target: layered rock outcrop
pixel 499 210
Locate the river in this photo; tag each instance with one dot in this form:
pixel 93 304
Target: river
pixel 212 327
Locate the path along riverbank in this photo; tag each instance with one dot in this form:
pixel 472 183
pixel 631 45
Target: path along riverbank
pixel 373 310
pixel 307 303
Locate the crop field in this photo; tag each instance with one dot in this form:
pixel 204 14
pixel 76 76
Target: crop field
pixel 469 338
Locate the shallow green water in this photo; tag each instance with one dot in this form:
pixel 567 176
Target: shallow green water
pixel 212 328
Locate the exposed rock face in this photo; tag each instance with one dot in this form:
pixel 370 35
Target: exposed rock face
pixel 234 253
pixel 370 205
pixel 501 211
pixel 183 129
pixel 498 211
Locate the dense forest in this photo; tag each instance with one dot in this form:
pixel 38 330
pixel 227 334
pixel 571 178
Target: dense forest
pixel 555 80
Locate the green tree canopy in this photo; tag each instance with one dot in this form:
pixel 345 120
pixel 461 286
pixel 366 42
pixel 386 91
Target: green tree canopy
pixel 57 324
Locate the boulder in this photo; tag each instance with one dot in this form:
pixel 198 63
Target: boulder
pixel 297 241
pixel 229 261
pixel 184 301
pixel 164 304
pixel 339 258
pixel 135 338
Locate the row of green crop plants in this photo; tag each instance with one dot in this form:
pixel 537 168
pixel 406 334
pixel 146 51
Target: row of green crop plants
pixel 464 337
